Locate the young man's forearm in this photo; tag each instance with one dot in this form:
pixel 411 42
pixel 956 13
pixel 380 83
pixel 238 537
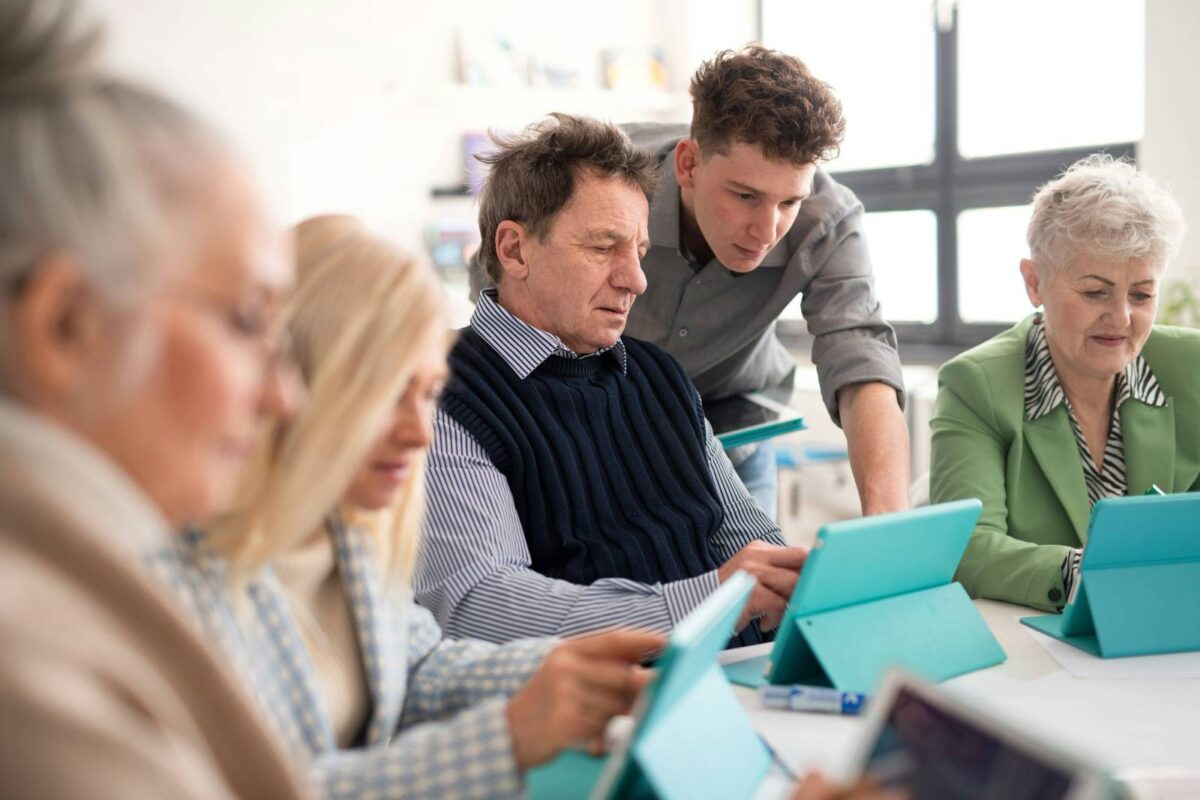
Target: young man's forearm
pixel 877 439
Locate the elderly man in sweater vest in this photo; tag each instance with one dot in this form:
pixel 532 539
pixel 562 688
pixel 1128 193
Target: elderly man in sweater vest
pixel 574 484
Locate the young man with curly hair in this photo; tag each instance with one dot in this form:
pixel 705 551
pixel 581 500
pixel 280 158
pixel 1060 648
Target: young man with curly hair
pixel 743 221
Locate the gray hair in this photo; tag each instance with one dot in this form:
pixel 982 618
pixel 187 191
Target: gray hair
pixel 94 167
pixel 1104 208
pixel 533 175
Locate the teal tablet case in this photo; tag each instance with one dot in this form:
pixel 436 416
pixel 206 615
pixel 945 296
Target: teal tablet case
pixel 1139 581
pixel 760 433
pixel 751 433
pixel 876 593
pixel 570 776
pixel 693 738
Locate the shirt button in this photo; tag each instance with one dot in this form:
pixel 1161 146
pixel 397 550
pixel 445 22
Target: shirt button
pixel 1055 595
pixel 683 331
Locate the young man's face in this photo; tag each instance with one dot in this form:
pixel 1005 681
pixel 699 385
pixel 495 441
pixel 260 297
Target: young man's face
pixel 742 202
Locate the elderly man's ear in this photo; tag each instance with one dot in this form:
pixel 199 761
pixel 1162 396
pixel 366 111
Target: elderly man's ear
pixel 510 236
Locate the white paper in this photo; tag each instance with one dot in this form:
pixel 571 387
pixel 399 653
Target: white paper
pixel 1082 664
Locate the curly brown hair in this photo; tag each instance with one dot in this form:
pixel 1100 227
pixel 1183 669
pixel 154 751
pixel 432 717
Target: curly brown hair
pixel 767 98
pixel 532 175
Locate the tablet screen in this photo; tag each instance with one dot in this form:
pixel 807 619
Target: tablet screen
pixel 935 754
pixel 736 413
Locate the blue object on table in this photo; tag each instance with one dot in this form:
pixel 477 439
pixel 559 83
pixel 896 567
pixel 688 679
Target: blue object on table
pixel 693 737
pixel 877 593
pixel 1139 580
pixel 793 697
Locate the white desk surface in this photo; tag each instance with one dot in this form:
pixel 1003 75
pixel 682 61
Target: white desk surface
pixel 1118 724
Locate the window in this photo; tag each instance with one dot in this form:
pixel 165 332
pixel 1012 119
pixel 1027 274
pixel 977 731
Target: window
pixel 1059 64
pixel 991 243
pixel 956 112
pixel 873 99
pixel 903 247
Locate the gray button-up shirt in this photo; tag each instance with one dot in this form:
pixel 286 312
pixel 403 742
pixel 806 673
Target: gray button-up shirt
pixel 721 325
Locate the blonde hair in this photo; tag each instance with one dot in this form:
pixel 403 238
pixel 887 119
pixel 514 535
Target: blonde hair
pixel 362 314
pixel 1105 208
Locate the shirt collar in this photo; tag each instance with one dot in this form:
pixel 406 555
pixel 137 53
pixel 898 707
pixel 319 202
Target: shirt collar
pixel 523 347
pixel 81 477
pixel 1044 392
pixel 665 211
pixel 663 224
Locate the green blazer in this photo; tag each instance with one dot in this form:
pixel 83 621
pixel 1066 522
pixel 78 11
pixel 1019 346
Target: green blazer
pixel 1029 475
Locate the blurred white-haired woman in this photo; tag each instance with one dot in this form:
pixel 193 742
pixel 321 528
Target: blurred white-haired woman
pixel 139 281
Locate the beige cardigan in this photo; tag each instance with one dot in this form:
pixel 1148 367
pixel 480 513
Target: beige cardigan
pixel 105 688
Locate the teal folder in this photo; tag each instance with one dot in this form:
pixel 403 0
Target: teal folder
pixel 877 593
pixel 1139 580
pixel 693 738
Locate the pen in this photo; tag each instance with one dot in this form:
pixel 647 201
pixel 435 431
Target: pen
pixel 1154 489
pixel 811 698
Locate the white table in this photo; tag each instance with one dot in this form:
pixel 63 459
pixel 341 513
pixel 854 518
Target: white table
pixel 1117 724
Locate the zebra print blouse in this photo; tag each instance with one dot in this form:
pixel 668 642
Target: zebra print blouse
pixel 1044 393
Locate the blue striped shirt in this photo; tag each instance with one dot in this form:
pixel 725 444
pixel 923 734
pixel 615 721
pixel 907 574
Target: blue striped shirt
pixel 475 571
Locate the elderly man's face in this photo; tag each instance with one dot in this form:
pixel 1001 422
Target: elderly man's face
pixel 582 280
pixel 1098 314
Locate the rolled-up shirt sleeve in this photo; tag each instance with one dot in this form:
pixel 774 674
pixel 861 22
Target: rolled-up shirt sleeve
pixel 852 341
pixel 475 570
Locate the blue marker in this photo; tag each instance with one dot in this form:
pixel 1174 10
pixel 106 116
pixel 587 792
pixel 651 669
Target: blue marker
pixel 811 698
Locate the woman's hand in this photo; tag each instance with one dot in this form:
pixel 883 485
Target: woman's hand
pixel 582 684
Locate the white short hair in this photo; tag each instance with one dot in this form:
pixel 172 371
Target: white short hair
pixel 1103 208
pixel 93 166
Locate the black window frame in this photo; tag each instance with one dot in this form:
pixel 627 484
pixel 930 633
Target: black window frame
pixel 948 186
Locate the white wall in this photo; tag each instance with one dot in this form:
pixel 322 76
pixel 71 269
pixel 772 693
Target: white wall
pixel 354 106
pixel 1170 149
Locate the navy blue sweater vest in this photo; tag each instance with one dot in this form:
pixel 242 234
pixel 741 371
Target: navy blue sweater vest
pixel 608 471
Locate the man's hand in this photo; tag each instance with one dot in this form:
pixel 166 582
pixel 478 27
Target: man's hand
pixel 582 684
pixel 776 570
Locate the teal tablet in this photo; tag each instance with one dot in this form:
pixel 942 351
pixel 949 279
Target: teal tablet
pixel 1139 580
pixel 691 738
pixel 750 418
pixel 859 560
pixel 878 592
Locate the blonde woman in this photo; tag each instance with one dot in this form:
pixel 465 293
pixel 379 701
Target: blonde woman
pixel 138 283
pixel 319 550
